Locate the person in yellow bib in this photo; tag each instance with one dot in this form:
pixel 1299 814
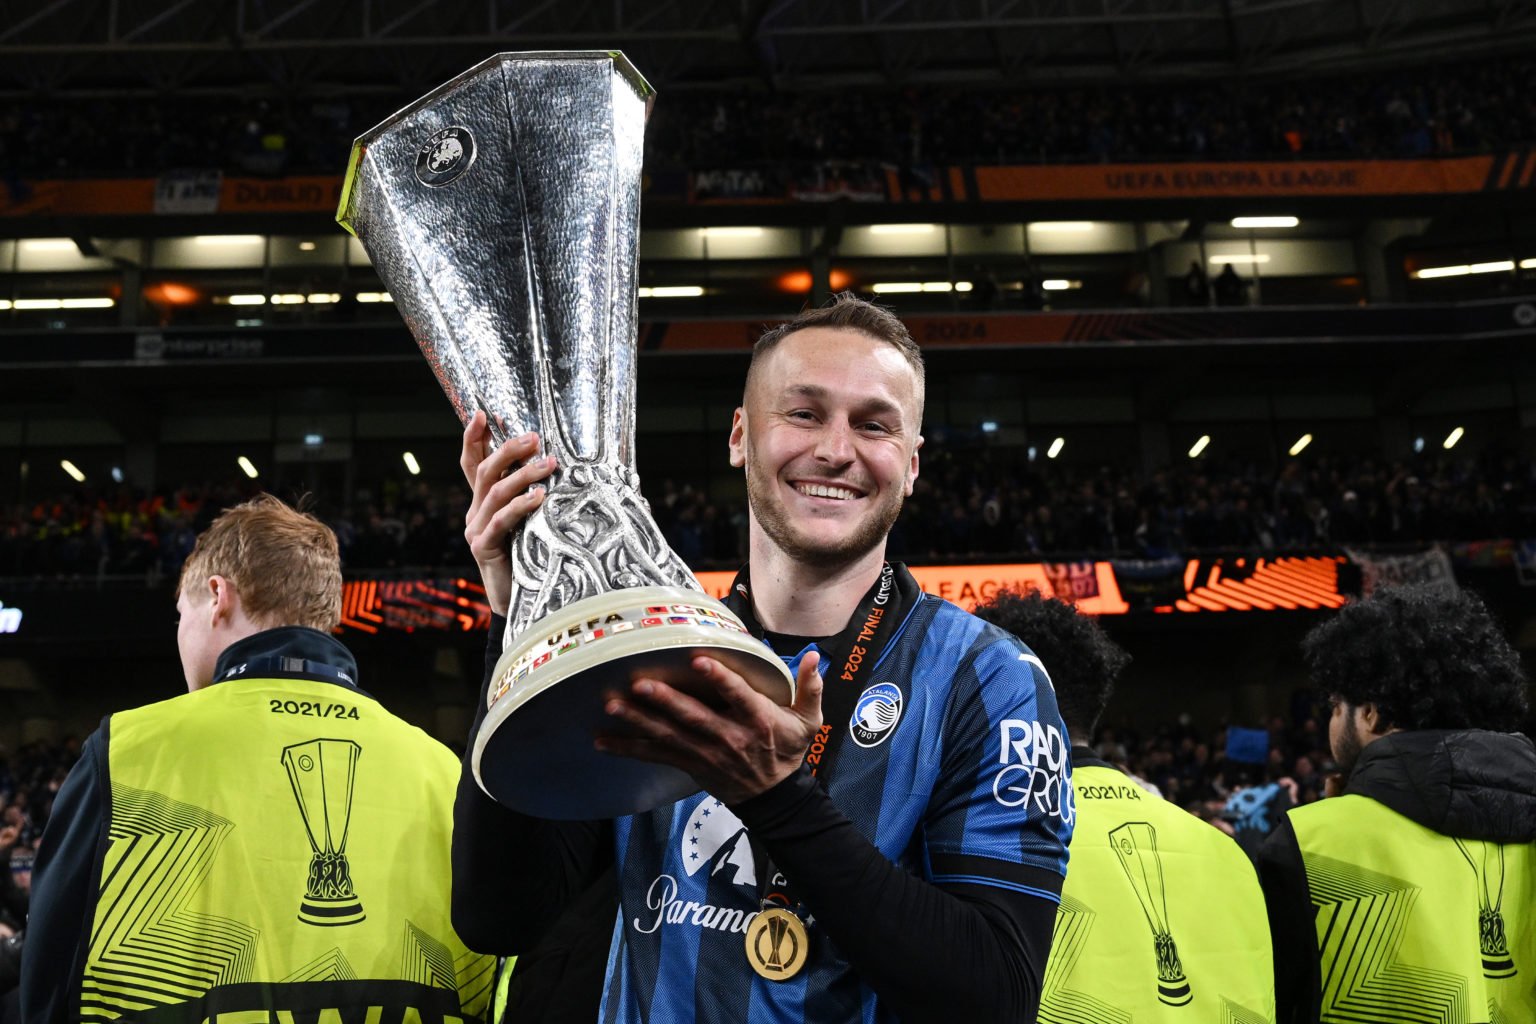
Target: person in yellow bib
pixel 271 845
pixel 1412 896
pixel 1161 916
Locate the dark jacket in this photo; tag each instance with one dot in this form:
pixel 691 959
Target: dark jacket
pixel 1467 784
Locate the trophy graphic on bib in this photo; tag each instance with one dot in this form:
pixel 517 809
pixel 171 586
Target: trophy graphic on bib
pixel 1135 845
pixel 321 773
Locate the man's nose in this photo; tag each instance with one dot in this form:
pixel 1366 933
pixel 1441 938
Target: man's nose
pixel 835 443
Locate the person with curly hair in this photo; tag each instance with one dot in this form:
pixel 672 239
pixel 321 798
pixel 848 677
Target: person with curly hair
pixel 1412 896
pixel 1161 916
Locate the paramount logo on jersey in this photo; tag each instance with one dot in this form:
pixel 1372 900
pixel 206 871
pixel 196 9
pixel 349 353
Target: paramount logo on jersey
pixel 1034 774
pixel 713 838
pixel 875 714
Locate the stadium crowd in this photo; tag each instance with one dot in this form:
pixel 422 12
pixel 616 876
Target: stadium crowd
pixel 1457 108
pixel 968 505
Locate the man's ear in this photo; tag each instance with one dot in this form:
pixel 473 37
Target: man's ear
pixel 912 469
pixel 738 440
pixel 224 600
pixel 1370 719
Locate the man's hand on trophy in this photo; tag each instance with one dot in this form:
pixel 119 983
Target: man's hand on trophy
pixel 735 742
pixel 506 488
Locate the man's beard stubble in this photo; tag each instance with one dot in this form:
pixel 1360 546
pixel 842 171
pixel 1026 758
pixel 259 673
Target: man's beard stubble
pixel 775 521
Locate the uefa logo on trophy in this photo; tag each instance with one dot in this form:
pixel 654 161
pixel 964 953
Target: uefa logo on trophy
pixel 502 211
pixel 321 773
pixel 1135 845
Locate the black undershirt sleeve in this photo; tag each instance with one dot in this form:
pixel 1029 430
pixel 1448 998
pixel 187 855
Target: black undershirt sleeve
pixel 972 952
pixel 515 875
pixel 1292 926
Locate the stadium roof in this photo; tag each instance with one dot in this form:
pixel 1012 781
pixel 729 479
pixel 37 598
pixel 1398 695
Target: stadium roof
pixel 358 47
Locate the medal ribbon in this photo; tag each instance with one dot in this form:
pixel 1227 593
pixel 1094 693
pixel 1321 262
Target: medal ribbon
pixel 849 656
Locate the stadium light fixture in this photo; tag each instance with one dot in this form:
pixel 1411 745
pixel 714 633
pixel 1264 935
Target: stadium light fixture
pixel 314 440
pixel 1061 227
pixel 1240 257
pixel 911 287
pixel 227 240
pixel 1265 222
pixel 247 300
pixel 679 291
pixel 375 297
pixel 731 232
pixel 902 229
pixel 73 471
pixel 1452 438
pixel 322 298
pixel 1056 447
pixel 1301 444
pixel 989 426
pixel 1463 269
pixel 1059 284
pixel 91 303
pixel 5 304
pixel 1493 267
pixel 306 247
pixel 47 245
pixel 1529 264
pixel 288 299
pixel 411 464
pixel 1199 446
pixel 247 467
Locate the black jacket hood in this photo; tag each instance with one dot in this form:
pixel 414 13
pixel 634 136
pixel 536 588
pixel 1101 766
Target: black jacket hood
pixel 1468 783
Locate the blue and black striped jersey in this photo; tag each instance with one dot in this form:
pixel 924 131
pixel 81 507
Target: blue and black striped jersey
pixel 954 765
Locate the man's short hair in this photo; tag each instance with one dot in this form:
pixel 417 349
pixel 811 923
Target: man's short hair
pixel 849 312
pixel 283 563
pixel 1082 661
pixel 1427 657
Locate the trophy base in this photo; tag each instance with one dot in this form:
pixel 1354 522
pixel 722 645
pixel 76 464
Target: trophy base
pixel 534 754
pixel 331 913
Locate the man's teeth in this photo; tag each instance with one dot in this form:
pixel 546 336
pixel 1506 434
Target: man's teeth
pixel 824 491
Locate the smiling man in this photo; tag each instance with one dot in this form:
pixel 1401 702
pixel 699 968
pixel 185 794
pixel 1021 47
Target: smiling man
pixel 892 846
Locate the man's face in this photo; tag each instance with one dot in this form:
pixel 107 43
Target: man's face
pixel 1344 736
pixel 195 638
pixel 829 439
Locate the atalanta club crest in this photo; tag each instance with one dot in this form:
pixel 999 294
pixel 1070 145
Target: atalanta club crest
pixel 875 714
pixel 445 156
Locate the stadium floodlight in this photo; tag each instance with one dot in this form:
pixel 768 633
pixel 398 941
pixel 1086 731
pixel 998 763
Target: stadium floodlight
pixel 73 471
pixel 1199 446
pixel 5 304
pixel 247 300
pixel 92 303
pixel 47 245
pixel 411 464
pixel 1061 227
pixel 1494 267
pixel 741 232
pixel 247 467
pixel 322 298
pixel 1059 284
pixel 288 299
pixel 1240 257
pixel 677 291
pixel 1056 447
pixel 375 297
pixel 1529 264
pixel 1301 444
pixel 902 229
pixel 896 287
pixel 1452 438
pixel 1265 222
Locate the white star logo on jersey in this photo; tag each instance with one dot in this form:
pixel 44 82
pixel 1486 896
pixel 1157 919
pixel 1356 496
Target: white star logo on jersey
pixel 712 828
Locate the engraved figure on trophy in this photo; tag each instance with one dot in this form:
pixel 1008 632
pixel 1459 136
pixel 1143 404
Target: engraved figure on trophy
pixel 1135 845
pixel 1488 866
pixel 322 773
pixel 502 212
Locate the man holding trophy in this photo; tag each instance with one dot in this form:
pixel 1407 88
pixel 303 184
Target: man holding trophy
pixel 831 797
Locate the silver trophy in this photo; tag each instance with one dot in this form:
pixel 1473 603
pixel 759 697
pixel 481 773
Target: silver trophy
pixel 502 211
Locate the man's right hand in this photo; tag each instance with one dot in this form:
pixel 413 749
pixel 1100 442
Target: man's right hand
pixel 504 495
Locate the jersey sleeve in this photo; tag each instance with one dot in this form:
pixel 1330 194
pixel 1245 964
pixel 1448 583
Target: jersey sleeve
pixel 1002 811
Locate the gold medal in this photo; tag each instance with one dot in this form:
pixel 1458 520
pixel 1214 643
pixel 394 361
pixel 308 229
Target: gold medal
pixel 777 944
